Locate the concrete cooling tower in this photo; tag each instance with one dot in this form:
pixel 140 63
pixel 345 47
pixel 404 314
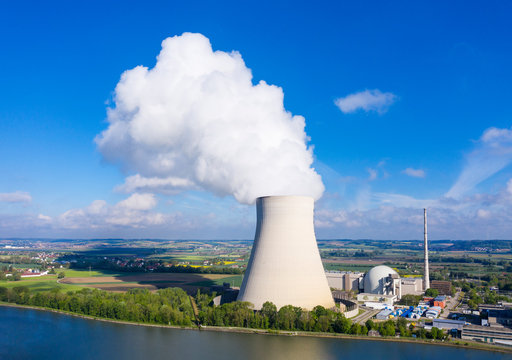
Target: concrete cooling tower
pixel 285 266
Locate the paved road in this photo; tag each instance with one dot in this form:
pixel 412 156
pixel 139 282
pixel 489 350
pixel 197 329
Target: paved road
pixel 451 304
pixel 368 314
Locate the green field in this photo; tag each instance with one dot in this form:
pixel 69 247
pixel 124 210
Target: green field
pixel 43 283
pixel 235 280
pixel 49 282
pixel 87 273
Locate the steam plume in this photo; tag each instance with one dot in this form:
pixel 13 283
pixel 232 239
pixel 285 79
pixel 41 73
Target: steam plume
pixel 196 120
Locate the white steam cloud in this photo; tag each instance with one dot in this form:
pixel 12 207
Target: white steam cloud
pixel 196 120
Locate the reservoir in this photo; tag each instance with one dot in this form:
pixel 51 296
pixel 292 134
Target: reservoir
pixel 35 334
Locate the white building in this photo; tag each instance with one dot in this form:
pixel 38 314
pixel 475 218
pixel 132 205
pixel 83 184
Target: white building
pixel 376 298
pixel 382 280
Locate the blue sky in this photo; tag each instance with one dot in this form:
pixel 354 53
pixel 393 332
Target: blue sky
pixel 406 104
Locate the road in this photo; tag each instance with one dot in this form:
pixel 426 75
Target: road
pixel 451 304
pixel 368 314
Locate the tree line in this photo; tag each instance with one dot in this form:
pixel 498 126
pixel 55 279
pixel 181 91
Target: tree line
pixel 111 265
pixel 172 306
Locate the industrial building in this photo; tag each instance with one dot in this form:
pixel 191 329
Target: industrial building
pixel 285 266
pixel 487 334
pixel 344 280
pixel 448 324
pixel 382 280
pixel 380 283
pixel 379 298
pixel 444 287
pixel 440 301
pixel 384 314
pixel 411 286
pixel 496 315
pixel 433 312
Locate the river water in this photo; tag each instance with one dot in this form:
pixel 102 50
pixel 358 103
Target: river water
pixel 35 334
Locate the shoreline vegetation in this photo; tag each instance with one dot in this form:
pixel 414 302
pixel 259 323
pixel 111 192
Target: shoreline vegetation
pixel 195 321
pixel 466 344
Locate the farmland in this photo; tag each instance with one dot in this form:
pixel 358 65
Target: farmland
pixel 153 281
pixel 118 265
pixel 119 282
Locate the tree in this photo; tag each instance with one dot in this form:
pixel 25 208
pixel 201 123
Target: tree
pixel 370 324
pixel 269 310
pixel 342 325
pixel 323 323
pixel 286 318
pixel 387 328
pixel 432 292
pixel 410 299
pixel 3 294
pixel 61 275
pixel 364 330
pixel 355 329
pixel 421 333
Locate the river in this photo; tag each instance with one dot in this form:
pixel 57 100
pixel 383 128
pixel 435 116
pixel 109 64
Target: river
pixel 35 334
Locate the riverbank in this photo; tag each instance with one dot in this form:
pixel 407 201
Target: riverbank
pixel 455 343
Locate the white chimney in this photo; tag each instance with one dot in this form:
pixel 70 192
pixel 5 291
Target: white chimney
pixel 426 276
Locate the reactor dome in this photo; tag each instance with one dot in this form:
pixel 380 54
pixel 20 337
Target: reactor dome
pixel 379 280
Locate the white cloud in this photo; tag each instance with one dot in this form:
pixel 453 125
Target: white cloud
pixel 133 211
pixel 404 201
pixel 368 100
pixel 509 186
pixel 196 120
pixel 167 185
pixel 327 218
pixel 44 217
pixel 139 202
pixel 372 174
pixel 419 173
pixel 493 153
pixel 16 197
pixel 483 214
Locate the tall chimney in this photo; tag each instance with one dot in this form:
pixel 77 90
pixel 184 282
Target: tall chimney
pixel 426 276
pixel 285 266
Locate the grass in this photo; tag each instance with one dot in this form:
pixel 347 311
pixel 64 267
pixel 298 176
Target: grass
pixel 87 273
pixel 235 280
pixel 49 282
pixel 43 283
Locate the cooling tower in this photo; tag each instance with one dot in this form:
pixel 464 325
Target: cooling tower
pixel 285 266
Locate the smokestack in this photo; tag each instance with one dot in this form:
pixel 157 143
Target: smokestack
pixel 426 276
pixel 285 266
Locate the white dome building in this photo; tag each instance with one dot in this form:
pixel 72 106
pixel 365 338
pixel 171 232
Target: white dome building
pixel 382 280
